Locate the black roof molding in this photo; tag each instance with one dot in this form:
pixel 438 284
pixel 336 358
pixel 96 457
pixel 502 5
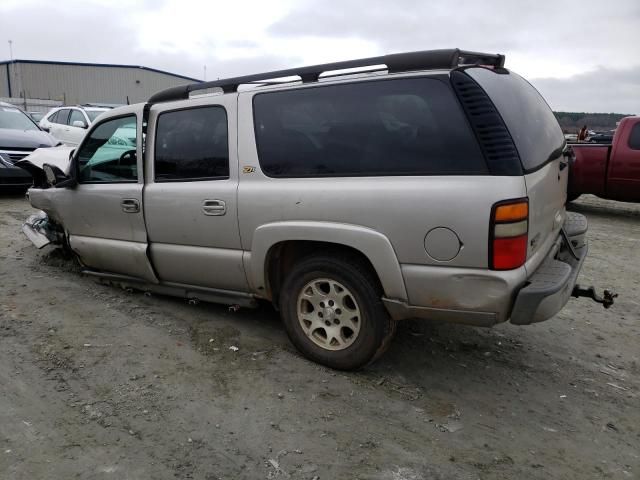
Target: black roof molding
pixel 398 62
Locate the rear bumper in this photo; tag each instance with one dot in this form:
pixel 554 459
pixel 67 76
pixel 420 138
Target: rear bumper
pixel 550 287
pixel 486 297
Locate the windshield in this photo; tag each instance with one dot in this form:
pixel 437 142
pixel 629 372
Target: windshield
pixel 15 119
pixel 93 114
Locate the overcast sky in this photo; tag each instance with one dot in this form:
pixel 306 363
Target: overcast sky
pixel 583 55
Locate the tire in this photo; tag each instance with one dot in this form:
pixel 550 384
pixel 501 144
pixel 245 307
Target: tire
pixel 345 293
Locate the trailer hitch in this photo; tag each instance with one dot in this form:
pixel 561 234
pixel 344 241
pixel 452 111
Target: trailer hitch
pixel 606 300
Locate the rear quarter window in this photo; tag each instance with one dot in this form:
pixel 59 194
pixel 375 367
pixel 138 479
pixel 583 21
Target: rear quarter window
pixel 390 127
pixel 531 123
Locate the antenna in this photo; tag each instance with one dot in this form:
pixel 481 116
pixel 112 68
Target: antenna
pixel 11 50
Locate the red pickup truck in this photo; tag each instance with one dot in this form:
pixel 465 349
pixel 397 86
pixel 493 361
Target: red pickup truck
pixel 608 171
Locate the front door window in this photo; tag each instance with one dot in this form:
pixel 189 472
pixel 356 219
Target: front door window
pixel 108 154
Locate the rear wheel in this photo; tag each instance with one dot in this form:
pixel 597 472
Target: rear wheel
pixel 333 313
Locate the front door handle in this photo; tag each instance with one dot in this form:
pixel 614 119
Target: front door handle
pixel 214 207
pixel 130 205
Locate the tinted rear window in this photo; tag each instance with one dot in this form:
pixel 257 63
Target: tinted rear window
pixel 192 144
pixel 391 127
pixel 530 121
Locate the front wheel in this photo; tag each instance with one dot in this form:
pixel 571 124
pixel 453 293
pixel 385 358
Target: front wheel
pixel 333 313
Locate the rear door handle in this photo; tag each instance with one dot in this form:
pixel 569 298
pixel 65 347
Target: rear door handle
pixel 214 207
pixel 130 205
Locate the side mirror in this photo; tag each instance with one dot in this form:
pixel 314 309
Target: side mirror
pixel 57 178
pixel 79 124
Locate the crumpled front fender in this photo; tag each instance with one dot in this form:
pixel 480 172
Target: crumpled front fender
pixel 59 157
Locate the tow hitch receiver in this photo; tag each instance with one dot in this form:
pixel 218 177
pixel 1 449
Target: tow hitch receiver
pixel 606 300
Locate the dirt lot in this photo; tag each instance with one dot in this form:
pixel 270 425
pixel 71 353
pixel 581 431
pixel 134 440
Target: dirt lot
pixel 99 383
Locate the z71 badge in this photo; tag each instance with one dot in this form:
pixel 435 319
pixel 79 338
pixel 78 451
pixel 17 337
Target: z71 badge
pixel 248 169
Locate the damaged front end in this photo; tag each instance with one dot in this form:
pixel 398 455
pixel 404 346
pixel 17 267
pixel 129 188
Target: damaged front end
pixel 49 168
pixel 55 159
pixel 42 231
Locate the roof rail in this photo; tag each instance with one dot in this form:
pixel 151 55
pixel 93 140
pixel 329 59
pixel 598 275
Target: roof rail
pixel 398 62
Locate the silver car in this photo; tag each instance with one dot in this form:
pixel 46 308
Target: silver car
pixel 434 187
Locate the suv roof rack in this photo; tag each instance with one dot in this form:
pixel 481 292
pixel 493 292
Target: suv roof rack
pixel 398 62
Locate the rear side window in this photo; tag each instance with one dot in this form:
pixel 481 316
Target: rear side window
pixel 531 123
pixel 634 137
pixel 192 144
pixel 389 127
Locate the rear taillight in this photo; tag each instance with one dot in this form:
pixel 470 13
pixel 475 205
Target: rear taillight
pixel 509 234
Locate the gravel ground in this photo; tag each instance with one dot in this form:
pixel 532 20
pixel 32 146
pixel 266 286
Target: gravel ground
pixel 98 383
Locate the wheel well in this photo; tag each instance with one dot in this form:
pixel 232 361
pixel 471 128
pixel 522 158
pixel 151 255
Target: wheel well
pixel 284 255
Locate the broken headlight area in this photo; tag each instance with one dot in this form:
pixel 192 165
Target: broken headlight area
pixel 57 158
pixel 42 231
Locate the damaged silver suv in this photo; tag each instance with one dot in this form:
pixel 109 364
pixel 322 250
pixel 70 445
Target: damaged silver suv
pixel 428 184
